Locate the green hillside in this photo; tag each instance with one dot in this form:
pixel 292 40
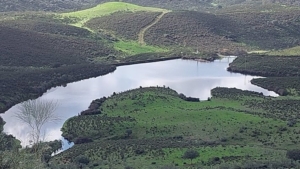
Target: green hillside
pixel 229 129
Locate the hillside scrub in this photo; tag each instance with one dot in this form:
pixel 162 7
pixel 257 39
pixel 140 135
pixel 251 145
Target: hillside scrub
pixel 210 32
pixel 270 66
pixel 265 30
pixel 46 5
pixel 46 27
pixel 124 24
pixel 280 85
pixel 189 29
pixel 28 48
pixel 20 84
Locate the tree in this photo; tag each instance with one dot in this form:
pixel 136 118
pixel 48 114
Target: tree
pixel 36 113
pixel 191 154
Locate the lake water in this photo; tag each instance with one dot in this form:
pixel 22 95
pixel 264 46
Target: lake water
pixel 191 78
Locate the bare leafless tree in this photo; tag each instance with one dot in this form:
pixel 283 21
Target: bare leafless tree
pixel 36 113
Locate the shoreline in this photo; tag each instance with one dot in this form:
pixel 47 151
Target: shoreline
pixel 40 93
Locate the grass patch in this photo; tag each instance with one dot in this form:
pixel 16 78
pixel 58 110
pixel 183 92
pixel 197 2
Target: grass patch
pixel 294 51
pixel 133 48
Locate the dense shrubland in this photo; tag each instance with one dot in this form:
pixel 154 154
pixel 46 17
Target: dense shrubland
pixel 123 24
pixel 281 85
pixel 19 84
pixel 225 32
pixel 28 48
pixel 282 73
pixel 266 30
pixel 275 66
pixel 47 27
pixel 45 5
pixel 32 62
pixel 233 93
pixel 190 29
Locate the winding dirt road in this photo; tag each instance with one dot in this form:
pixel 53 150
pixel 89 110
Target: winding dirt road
pixel 143 30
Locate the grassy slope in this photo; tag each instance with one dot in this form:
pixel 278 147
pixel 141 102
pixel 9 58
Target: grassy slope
pixel 294 51
pixel 106 9
pixel 159 113
pixel 133 48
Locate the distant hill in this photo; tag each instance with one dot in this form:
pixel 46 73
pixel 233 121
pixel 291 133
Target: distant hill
pixel 45 5
pixel 72 5
pixel 206 31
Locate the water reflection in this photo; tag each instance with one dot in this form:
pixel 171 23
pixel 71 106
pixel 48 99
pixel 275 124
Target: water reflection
pixel 188 77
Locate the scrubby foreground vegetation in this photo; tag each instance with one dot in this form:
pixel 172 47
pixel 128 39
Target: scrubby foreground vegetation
pixel 156 127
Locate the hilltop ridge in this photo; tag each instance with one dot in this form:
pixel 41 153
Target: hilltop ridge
pixel 73 5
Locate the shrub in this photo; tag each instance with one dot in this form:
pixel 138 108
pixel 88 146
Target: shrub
pixel 82 159
pixel 191 154
pixel 293 154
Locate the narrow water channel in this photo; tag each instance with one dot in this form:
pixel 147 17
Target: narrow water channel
pixel 191 78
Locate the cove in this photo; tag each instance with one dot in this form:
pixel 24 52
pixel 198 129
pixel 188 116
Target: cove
pixel 191 78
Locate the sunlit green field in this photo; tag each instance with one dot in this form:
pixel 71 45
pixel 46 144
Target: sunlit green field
pixel 133 48
pixel 106 9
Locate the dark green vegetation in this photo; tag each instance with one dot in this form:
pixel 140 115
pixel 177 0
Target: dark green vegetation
pixel 123 24
pixel 190 29
pixel 32 62
pixel 233 128
pixel 266 30
pixel 282 72
pixel 224 32
pixel 48 27
pixel 45 5
pixel 281 85
pixel 275 66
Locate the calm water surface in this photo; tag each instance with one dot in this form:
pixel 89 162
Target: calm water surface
pixel 189 77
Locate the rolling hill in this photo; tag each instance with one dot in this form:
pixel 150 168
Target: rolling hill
pixel 73 5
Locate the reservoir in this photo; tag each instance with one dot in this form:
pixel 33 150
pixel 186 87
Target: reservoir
pixel 191 78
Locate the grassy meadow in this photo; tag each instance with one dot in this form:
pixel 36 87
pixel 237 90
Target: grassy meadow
pixel 133 48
